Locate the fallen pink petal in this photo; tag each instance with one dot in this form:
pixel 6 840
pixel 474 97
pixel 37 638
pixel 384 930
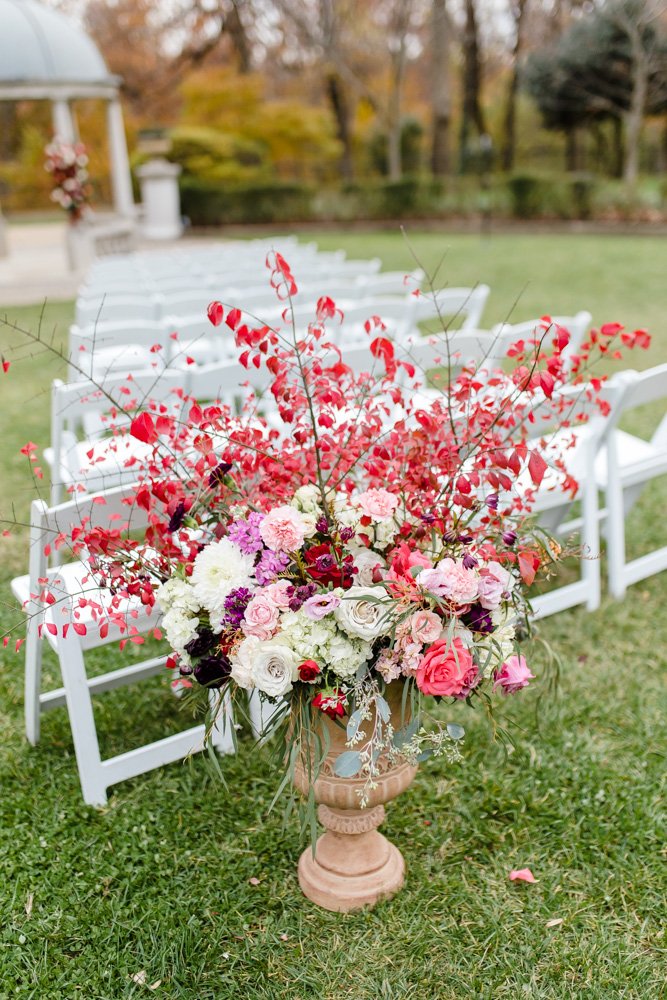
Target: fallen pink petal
pixel 522 875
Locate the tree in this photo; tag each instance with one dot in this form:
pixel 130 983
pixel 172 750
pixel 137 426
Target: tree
pixel 471 113
pixel 610 65
pixel 440 87
pixel 518 9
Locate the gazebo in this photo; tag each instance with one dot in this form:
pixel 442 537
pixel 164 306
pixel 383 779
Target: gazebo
pixel 45 56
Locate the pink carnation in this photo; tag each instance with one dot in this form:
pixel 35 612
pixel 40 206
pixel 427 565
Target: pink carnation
pixel 261 617
pixel 513 675
pixel 378 504
pixel 451 580
pixel 425 626
pixel 494 581
pixel 283 529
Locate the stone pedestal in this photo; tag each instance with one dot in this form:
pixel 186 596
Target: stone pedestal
pixel 160 199
pixel 80 245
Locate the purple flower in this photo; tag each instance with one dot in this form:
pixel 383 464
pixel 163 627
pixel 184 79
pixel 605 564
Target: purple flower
pixel 218 474
pixel 324 563
pixel 478 619
pixel 202 643
pixel 492 501
pixel 469 561
pixel 322 525
pixel 450 537
pixel 509 537
pixel 270 566
pixel 213 671
pixel 177 518
pixel 319 605
pixel 235 604
pixel 299 595
pixel 246 534
pixel 346 534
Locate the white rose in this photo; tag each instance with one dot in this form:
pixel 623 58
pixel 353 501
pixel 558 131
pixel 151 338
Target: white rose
pixel 365 612
pixel 242 662
pixel 274 668
pixel 365 561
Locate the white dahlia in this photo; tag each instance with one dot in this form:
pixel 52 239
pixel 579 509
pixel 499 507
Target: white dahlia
pixel 218 569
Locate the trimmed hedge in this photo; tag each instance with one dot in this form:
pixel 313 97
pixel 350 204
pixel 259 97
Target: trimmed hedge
pixel 210 204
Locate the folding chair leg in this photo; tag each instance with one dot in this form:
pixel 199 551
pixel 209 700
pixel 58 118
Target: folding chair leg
pixel 590 564
pixel 616 539
pixel 82 721
pixel 33 680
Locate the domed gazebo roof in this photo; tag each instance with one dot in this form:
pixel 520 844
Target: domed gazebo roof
pixel 44 54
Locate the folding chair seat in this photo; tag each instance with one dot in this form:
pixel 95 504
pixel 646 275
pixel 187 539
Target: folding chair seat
pixel 111 348
pixel 70 584
pixel 624 468
pixel 463 306
pixel 198 340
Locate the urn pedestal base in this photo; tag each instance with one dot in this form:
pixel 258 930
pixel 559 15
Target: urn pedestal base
pixel 354 865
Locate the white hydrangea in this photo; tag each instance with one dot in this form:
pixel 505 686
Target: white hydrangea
pixel 176 593
pixel 323 642
pixel 218 569
pixel 180 628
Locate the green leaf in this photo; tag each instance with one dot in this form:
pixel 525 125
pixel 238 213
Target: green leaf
pixel 424 755
pixel 405 735
pixel 455 731
pixel 353 724
pixel 382 708
pixel 348 764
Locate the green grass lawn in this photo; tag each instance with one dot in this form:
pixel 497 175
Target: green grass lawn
pixel 159 881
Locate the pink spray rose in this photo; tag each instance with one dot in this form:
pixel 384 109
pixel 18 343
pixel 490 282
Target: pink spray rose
pixel 445 668
pixel 283 529
pixel 260 618
pixel 378 504
pixel 451 580
pixel 277 593
pixel 513 675
pixel 425 626
pixel 494 581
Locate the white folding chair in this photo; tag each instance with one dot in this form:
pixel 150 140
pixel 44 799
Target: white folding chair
pixel 109 348
pixel 197 339
pixel 463 306
pixel 70 584
pixel 80 456
pixel 113 308
pixel 577 326
pixel 623 470
pixel 579 447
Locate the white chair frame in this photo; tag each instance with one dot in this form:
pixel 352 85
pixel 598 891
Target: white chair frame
pixel 96 774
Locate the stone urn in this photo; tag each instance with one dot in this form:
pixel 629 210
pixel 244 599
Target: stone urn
pixel 353 865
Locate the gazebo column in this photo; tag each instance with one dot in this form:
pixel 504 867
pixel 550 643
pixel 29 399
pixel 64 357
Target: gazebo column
pixel 121 180
pixel 63 122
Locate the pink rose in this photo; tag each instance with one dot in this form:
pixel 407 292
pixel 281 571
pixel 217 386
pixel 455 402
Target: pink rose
pixel 445 668
pixel 451 580
pixel 283 529
pixel 494 581
pixel 320 605
pixel 513 675
pixel 403 559
pixel 261 617
pixel 277 594
pixel 376 504
pixel 425 626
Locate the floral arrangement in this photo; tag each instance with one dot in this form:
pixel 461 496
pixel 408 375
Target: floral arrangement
pixel 67 163
pixel 365 529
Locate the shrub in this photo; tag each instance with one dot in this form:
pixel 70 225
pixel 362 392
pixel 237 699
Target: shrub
pixel 529 195
pixel 211 204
